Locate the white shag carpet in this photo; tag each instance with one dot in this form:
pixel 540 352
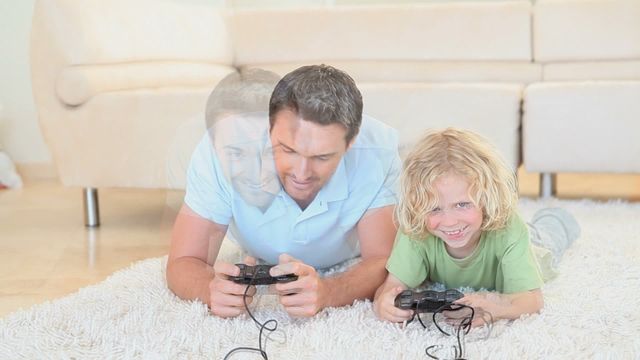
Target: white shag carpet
pixel 592 310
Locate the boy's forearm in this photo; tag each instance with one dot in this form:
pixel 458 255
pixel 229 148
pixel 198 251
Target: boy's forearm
pixel 189 278
pixel 516 305
pixel 502 306
pixel 360 282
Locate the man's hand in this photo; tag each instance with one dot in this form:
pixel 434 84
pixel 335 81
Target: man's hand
pixel 384 302
pixel 225 296
pixel 304 297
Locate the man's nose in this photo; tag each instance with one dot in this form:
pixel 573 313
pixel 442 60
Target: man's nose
pixel 302 169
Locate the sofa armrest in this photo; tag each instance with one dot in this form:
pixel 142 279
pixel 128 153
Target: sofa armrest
pixel 76 84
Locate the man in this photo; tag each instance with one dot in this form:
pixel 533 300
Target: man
pixel 335 177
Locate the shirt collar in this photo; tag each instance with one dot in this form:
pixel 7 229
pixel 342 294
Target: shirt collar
pixel 337 187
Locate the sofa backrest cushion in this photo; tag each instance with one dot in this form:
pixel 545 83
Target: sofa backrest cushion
pixel 484 31
pixel 586 30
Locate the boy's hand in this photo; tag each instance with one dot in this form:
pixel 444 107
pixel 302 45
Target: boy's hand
pixel 384 301
pixel 304 297
pixel 225 296
pixel 483 304
pixel 502 306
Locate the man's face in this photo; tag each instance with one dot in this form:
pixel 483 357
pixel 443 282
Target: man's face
pixel 306 154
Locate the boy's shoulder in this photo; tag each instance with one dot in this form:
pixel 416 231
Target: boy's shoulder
pixel 514 231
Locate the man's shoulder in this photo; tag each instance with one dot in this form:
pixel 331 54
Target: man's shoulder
pixel 374 134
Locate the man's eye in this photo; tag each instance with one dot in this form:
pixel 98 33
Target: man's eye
pixel 287 150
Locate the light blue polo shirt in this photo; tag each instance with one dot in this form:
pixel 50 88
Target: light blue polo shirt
pixel 324 233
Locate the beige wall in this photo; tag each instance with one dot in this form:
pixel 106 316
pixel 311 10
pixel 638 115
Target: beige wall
pixel 19 132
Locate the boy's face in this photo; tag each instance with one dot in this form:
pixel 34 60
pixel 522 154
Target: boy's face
pixel 456 220
pixel 306 154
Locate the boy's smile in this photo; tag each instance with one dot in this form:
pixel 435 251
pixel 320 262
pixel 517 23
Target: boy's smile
pixel 456 220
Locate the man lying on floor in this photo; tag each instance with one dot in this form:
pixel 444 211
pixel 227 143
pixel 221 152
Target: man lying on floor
pixel 307 186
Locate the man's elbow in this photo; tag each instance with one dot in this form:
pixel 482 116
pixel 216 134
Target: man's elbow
pixel 170 275
pixel 173 271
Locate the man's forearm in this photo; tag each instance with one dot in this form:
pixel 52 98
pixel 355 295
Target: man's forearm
pixel 189 278
pixel 359 282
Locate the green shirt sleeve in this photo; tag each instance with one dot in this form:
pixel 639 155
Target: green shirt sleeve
pixel 518 269
pixel 407 262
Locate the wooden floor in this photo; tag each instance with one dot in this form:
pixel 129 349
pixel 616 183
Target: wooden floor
pixel 46 252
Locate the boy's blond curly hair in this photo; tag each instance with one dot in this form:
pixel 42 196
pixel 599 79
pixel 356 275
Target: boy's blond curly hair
pixel 492 183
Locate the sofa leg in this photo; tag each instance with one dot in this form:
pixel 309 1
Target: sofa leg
pixel 548 185
pixel 91 208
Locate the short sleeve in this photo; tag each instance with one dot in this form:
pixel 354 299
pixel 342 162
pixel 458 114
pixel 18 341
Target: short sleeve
pixel 387 195
pixel 518 266
pixel 407 262
pixel 386 140
pixel 207 192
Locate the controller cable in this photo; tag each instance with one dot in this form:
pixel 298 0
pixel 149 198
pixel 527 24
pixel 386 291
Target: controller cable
pixel 261 326
pixel 462 329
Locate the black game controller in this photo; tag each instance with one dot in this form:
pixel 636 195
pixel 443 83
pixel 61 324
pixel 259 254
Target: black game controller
pixel 259 275
pixel 427 301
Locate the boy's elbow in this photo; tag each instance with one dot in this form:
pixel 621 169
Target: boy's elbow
pixel 538 301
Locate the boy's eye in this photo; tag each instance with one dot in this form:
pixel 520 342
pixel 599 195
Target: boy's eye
pixel 435 210
pixel 463 205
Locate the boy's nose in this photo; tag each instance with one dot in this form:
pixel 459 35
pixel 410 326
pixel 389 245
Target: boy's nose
pixel 448 219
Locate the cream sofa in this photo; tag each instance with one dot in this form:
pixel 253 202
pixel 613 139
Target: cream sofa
pixel 120 86
pixel 584 116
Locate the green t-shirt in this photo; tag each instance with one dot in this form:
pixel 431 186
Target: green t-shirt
pixel 503 261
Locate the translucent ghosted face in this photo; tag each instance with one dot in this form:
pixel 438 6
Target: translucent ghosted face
pixel 242 149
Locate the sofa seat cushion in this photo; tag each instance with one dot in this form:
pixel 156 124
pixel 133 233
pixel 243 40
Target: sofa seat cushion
pixel 76 84
pixel 589 126
pixel 592 70
pixel 425 71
